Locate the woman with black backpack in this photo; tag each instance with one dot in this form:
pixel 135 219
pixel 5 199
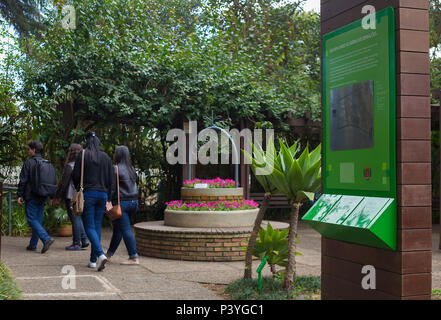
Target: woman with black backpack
pixel 128 197
pixel 97 186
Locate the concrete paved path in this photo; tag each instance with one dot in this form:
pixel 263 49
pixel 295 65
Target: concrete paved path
pixel 40 276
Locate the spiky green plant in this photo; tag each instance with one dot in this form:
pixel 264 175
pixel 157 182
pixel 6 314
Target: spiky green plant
pixel 298 179
pixel 261 163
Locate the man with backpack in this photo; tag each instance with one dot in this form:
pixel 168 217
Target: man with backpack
pixel 37 182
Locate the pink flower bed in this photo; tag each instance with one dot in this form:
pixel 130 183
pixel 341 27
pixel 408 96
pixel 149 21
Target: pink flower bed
pixel 212 183
pixel 222 205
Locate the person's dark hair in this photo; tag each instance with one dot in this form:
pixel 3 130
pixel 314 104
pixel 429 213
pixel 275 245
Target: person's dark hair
pixel 74 150
pixel 122 156
pixel 93 146
pixel 36 145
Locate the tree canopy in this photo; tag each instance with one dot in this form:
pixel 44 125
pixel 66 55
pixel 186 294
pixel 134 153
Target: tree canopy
pixel 132 70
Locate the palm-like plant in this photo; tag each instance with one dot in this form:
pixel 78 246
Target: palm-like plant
pixel 299 179
pixel 272 243
pixel 262 166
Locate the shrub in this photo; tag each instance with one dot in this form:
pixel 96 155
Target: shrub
pixel 272 289
pixel 9 289
pixel 19 224
pixel 274 244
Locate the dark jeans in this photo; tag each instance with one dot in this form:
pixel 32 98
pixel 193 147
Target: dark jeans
pixel 122 229
pixel 79 236
pixel 34 210
pixel 93 213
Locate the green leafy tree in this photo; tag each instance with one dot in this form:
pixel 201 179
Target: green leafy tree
pixel 13 129
pixel 24 15
pixel 147 66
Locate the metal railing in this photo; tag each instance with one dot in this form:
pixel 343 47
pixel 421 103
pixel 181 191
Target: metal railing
pixel 9 190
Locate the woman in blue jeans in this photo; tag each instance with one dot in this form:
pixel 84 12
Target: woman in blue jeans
pixel 128 193
pixel 97 186
pixel 66 191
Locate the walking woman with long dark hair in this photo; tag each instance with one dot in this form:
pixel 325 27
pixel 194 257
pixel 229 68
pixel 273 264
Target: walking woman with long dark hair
pixel 66 191
pixel 97 186
pixel 128 193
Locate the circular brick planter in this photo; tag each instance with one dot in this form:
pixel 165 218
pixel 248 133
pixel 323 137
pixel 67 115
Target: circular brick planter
pixel 211 194
pixel 210 219
pixel 154 239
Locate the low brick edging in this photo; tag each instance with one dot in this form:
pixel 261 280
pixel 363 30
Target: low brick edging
pixel 193 246
pixel 154 239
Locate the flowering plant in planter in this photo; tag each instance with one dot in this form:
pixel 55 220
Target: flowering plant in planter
pixel 222 205
pixel 212 183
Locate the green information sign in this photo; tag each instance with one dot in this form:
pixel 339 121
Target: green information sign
pixel 359 109
pixel 359 156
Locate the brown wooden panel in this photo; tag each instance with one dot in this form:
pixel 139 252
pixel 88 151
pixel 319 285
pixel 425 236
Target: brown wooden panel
pixel 413 19
pixel 387 260
pixel 414 173
pixel 337 7
pixel 413 107
pixel 418 4
pixel 413 62
pixel 415 218
pixel 387 282
pixel 409 84
pixel 417 284
pixel 340 289
pixel 410 40
pixel 414 195
pixel 414 240
pixel 413 128
pixel 416 262
pixel 392 261
pixel 352 14
pixel 413 151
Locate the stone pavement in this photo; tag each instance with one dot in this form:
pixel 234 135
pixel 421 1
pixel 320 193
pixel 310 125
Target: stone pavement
pixel 40 275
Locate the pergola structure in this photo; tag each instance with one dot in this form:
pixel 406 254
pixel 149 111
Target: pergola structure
pixel 304 126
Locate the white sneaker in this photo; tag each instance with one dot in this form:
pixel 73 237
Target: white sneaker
pixel 102 259
pixel 91 265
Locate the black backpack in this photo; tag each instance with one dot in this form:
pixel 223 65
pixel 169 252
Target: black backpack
pixel 44 179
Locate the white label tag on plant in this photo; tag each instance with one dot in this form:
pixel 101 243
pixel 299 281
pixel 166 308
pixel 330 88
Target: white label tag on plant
pixel 200 185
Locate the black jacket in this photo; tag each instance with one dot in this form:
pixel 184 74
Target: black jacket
pixel 24 186
pixel 97 176
pixel 127 185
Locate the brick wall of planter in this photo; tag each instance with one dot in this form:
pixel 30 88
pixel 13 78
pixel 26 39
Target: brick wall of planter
pixel 210 246
pixel 188 199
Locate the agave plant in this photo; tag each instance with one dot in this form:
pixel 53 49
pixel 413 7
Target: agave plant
pixel 274 244
pixel 262 164
pixel 299 179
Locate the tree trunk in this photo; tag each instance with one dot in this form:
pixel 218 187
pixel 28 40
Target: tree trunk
pixel 292 246
pixel 253 237
pixel 273 269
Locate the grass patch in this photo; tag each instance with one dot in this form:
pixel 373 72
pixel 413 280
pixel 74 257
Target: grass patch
pixel 9 289
pixel 247 289
pixel 436 294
